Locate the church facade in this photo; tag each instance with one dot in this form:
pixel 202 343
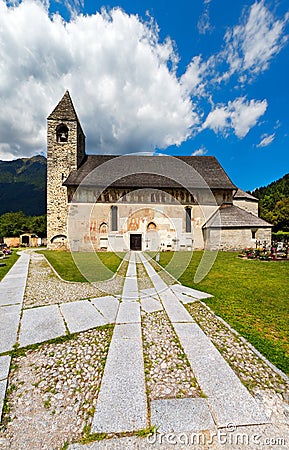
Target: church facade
pixel 135 202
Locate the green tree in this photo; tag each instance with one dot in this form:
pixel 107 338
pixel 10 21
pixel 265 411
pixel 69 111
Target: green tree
pixel 12 224
pixel 37 225
pixel 15 223
pixel 281 215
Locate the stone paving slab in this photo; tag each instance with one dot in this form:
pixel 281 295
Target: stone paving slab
pixel 122 404
pixel 129 312
pixel 81 315
pixel 107 306
pixel 12 295
pixel 4 366
pixel 159 284
pixel 18 275
pixel 40 325
pixel 185 298
pixel 9 320
pixel 228 398
pixel 174 309
pixel 130 290
pixel 181 415
pixel 150 305
pixel 3 385
pixel 189 291
pixel 149 291
pixel 130 287
pixel 144 296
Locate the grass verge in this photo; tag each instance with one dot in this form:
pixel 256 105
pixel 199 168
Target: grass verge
pixel 10 261
pixel 94 266
pixel 252 296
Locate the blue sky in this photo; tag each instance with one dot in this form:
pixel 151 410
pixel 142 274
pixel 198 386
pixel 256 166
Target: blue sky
pixel 203 77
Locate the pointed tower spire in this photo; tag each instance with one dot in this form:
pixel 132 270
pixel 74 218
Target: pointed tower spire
pixel 64 110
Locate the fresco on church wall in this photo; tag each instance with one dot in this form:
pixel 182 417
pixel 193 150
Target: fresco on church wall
pixel 90 195
pixel 161 225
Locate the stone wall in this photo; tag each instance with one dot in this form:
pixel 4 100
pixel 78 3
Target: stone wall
pixel 240 238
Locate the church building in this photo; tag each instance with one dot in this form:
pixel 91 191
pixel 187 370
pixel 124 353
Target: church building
pixel 138 202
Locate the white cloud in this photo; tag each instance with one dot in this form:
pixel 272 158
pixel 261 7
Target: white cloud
pixel 204 22
pixel 251 45
pixel 193 81
pixel 122 78
pixel 266 140
pixel 200 152
pixel 115 68
pixel 240 115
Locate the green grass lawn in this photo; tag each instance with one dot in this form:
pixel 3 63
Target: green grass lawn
pixel 10 261
pixel 252 296
pixel 93 267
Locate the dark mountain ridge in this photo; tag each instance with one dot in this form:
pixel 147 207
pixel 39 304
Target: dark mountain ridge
pixel 23 186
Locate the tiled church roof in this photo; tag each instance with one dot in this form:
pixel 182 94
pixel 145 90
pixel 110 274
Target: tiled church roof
pixel 231 216
pixel 144 172
pixel 242 195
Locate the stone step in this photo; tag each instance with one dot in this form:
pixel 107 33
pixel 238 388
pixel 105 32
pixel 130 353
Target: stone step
pixel 181 415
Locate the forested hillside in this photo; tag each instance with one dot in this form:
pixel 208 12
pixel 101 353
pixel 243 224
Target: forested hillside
pixel 23 186
pixel 274 203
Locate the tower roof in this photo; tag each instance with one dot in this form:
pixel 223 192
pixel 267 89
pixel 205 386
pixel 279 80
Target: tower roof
pixel 64 110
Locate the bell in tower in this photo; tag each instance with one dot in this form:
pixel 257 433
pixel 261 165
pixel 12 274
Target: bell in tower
pixel 62 133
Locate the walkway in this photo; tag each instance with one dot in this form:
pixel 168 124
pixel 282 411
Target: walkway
pixel 11 298
pixel 122 402
pixel 228 399
pixel 122 406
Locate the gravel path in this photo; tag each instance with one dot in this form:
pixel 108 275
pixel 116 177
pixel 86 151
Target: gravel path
pixel 143 280
pixel 44 287
pixel 168 372
pixel 52 392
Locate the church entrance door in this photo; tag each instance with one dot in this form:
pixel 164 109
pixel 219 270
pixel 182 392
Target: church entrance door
pixel 135 242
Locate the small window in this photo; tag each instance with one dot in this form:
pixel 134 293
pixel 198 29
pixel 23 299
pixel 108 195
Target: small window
pixel 188 220
pixel 253 234
pixel 114 225
pixel 103 228
pixel 62 133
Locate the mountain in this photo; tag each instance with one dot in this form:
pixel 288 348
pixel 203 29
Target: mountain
pixel 23 186
pixel 274 203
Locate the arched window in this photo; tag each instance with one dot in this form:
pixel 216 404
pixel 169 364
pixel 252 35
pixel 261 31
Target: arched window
pixel 114 226
pixel 58 238
pixel 103 228
pixel 188 219
pixel 62 133
pixel 151 226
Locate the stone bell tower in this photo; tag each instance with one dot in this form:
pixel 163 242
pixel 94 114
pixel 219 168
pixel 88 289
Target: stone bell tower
pixel 65 152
